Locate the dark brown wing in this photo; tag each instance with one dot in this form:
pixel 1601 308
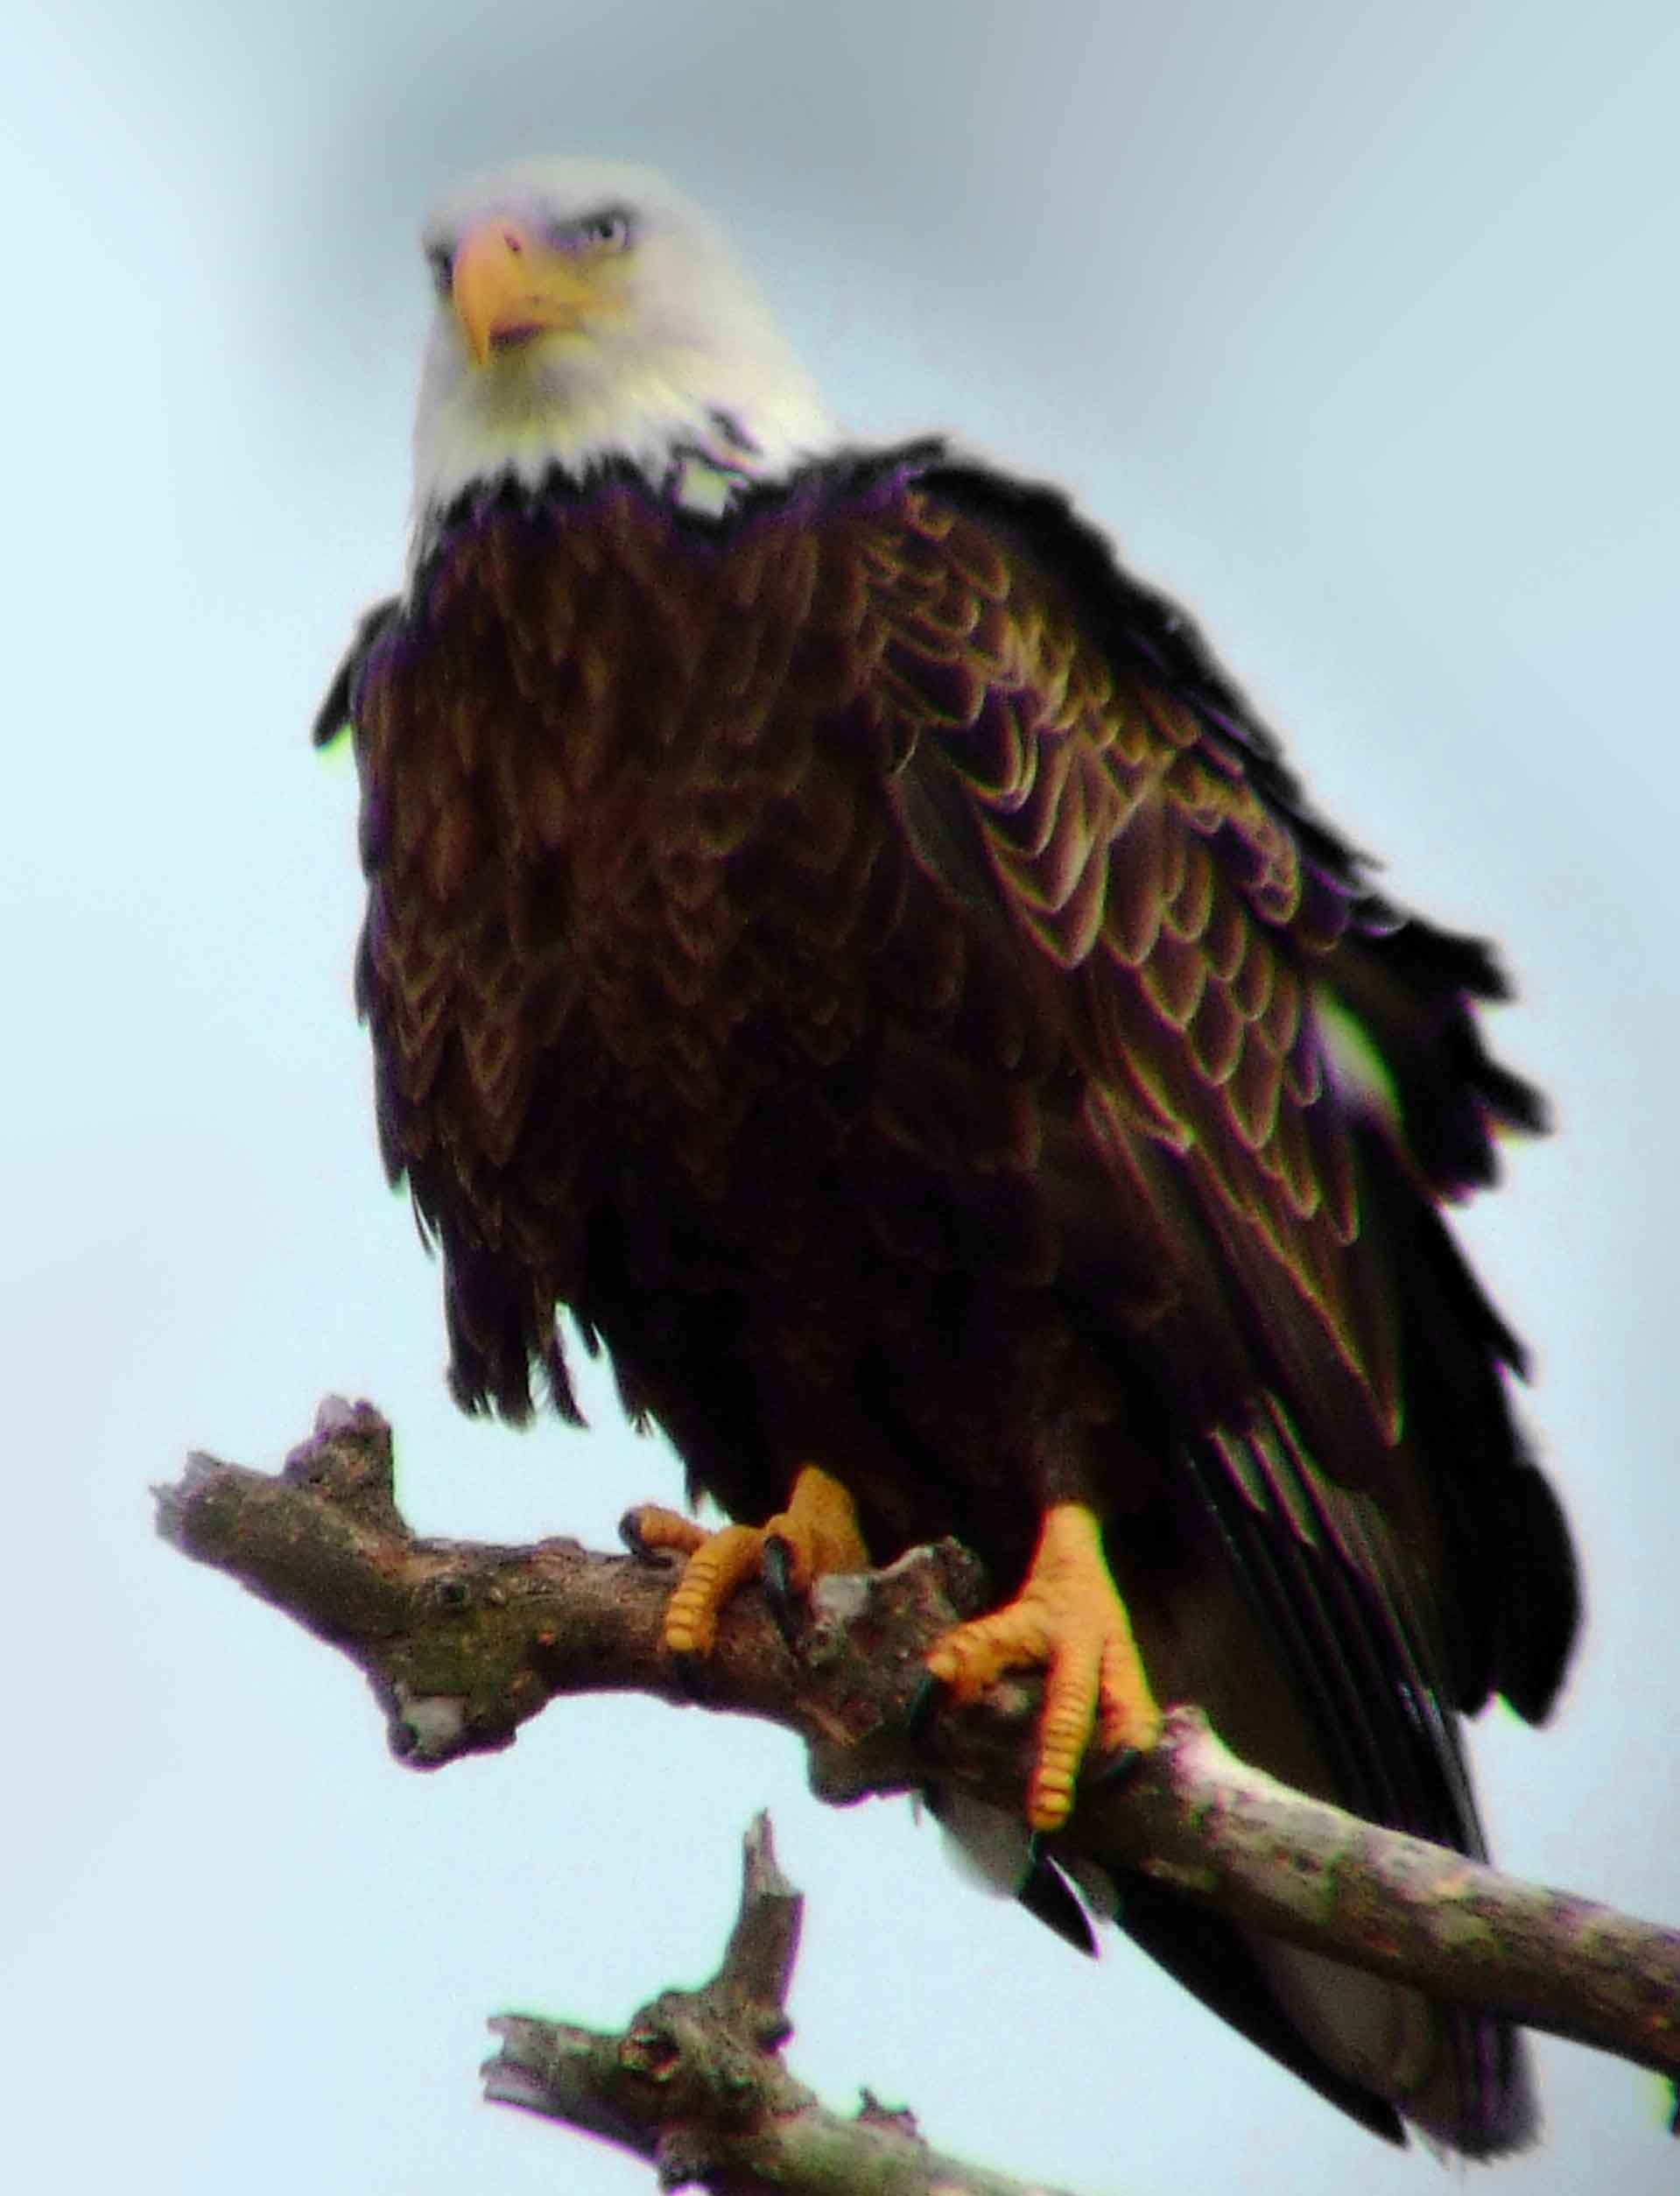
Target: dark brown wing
pixel 1127 838
pixel 1281 1072
pixel 1284 1079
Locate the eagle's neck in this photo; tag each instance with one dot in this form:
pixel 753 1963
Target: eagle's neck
pixel 694 431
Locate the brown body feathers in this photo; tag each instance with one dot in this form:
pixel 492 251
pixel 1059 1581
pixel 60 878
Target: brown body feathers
pixel 862 956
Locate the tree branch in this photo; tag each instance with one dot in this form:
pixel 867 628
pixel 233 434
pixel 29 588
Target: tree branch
pixel 697 2085
pixel 461 1644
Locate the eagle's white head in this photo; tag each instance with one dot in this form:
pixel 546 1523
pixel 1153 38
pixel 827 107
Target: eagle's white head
pixel 586 313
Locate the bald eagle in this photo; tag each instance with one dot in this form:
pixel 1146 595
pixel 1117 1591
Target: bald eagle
pixel 843 937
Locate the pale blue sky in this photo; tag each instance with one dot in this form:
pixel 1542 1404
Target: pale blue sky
pixel 1358 327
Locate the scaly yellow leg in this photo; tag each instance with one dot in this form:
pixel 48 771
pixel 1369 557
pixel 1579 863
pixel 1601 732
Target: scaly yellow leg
pixel 1069 1620
pixel 819 1530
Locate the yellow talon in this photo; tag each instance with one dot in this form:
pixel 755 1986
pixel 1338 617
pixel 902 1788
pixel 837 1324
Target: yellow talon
pixel 818 1529
pixel 1069 1620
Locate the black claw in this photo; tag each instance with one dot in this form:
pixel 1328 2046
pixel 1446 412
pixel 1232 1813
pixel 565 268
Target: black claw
pixel 1049 1898
pixel 629 1531
pixel 928 1700
pixel 689 1669
pixel 1118 1770
pixel 776 1569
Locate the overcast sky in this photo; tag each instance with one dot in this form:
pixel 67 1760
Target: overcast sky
pixel 1356 326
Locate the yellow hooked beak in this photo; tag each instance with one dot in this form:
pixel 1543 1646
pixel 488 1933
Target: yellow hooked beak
pixel 508 286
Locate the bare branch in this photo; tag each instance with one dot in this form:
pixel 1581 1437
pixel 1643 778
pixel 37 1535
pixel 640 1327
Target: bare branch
pixel 462 1643
pixel 696 2084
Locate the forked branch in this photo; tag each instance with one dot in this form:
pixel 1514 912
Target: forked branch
pixel 696 2085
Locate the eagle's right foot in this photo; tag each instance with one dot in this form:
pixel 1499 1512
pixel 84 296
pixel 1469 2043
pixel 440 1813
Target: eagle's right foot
pixel 817 1533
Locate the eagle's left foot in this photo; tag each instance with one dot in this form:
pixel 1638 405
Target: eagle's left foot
pixel 1069 1620
pixel 817 1533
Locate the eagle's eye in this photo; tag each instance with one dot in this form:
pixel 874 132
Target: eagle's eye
pixel 441 262
pixel 608 230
